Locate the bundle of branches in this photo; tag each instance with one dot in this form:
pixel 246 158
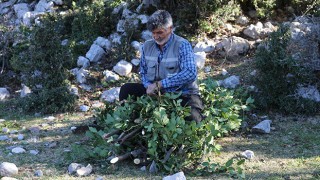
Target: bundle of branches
pixel 152 130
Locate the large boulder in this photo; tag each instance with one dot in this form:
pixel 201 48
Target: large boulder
pixel 8 169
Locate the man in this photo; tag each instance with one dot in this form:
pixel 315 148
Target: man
pixel 167 64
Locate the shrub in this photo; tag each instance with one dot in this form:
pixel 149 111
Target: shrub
pixel 279 75
pixel 155 127
pixel 44 64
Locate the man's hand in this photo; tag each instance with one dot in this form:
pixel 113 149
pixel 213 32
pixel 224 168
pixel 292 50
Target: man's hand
pixel 152 88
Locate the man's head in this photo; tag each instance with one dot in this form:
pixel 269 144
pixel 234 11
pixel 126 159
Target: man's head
pixel 160 24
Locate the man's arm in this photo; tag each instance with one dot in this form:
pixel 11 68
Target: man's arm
pixel 188 68
pixel 143 70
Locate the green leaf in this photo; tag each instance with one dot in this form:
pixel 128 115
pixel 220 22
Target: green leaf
pixel 241 162
pixel 92 129
pixel 229 162
pixel 249 100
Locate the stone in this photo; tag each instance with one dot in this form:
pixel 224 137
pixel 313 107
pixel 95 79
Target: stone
pixel 242 20
pixel 235 46
pixel 8 178
pixel 83 62
pixel 34 129
pixel 121 26
pixel 136 45
pixel 177 176
pixel 262 127
pixel 4 93
pixel 25 91
pixel 103 42
pixel 8 169
pixel 84 108
pixel 231 82
pixel 111 95
pixel 73 167
pixel 115 38
pixel 224 72
pixel 143 18
pixel 64 42
pixel 153 167
pixel 49 118
pixel 20 137
pixel 310 92
pixel 4 138
pixel 82 74
pixel 123 68
pixel 34 152
pixel 20 9
pixel 248 154
pixel 146 35
pixel 135 62
pixel 95 53
pixel 200 59
pixel 5 130
pixel 44 6
pixel 38 173
pixel 84 171
pixel 111 76
pixel 18 150
pixel 206 46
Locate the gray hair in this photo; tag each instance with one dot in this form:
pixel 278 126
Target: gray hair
pixel 159 19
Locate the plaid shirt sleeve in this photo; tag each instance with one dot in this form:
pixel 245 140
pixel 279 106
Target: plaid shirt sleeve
pixel 143 70
pixel 188 68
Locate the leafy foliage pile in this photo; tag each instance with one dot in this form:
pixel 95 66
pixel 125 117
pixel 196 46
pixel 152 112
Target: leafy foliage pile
pixel 279 76
pixel 155 127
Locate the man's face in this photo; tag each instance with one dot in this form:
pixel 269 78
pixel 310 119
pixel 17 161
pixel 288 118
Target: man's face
pixel 161 35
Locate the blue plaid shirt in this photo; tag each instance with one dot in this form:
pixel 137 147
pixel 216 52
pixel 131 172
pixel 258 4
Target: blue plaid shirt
pixel 187 64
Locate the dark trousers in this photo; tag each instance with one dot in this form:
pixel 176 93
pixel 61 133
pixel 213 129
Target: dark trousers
pixel 192 100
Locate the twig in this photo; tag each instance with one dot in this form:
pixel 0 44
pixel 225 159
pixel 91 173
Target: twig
pixel 167 156
pixel 107 135
pixel 126 155
pixel 129 135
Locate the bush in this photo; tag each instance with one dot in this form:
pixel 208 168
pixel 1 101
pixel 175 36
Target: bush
pixel 279 74
pixel 155 127
pixel 44 64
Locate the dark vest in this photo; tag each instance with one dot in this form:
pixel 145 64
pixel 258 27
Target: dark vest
pixel 168 66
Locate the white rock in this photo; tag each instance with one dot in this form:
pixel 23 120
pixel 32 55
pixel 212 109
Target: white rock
pixel 84 108
pixel 262 127
pixel 20 9
pixel 8 169
pixel 38 173
pixel 25 91
pixel 234 46
pixel 153 167
pixel 136 45
pixel 310 92
pixel 143 168
pixel 74 90
pixel 200 59
pixel 121 26
pixel 84 171
pixel 73 128
pixel 248 154
pixel 74 71
pixel 64 42
pixel 73 167
pixel 135 62
pixel 123 68
pixel 83 62
pixel 8 178
pixel 4 138
pixel 111 95
pixel 5 130
pixel 111 76
pixel 146 35
pixel 177 176
pixel 4 93
pixel 242 20
pixel 231 82
pixel 207 69
pixel 95 53
pixel 103 42
pixel 115 38
pixel 252 31
pixel 20 137
pixel 224 72
pixel 81 75
pixel 143 18
pixel 34 152
pixel 206 46
pixel 58 2
pixel 44 6
pixel 86 87
pixel 253 73
pixel 49 118
pixel 18 150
